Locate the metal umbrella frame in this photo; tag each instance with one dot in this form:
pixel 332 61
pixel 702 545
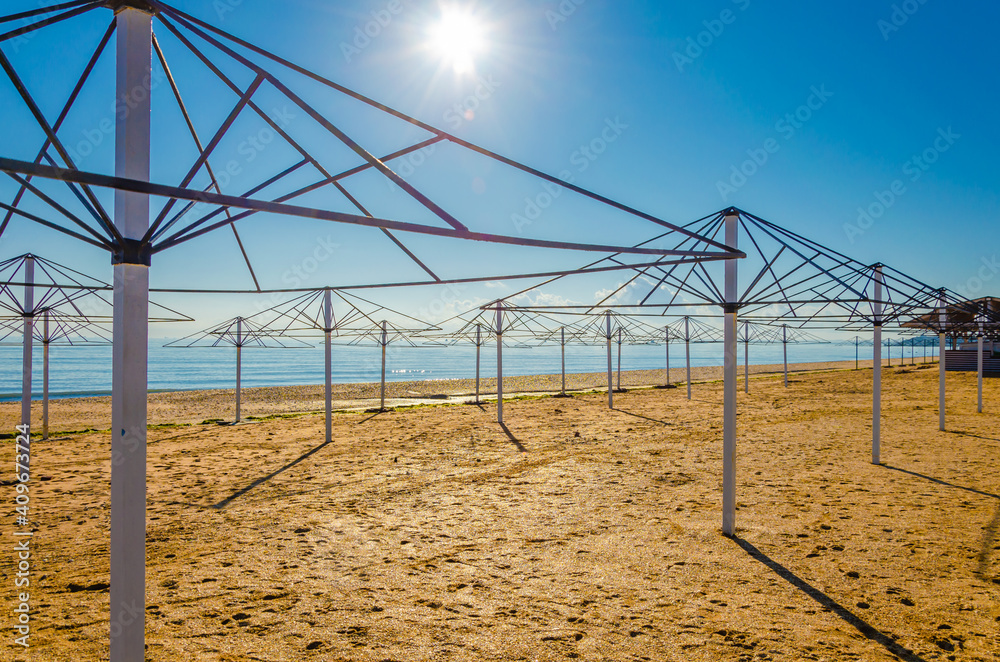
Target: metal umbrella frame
pixel 794 281
pixel 238 332
pixel 132 238
pixel 342 315
pixel 55 328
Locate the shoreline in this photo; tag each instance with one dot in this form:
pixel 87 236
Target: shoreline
pixel 218 405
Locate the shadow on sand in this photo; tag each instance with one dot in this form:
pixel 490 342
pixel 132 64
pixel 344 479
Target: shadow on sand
pixel 867 630
pixel 260 481
pixel 514 440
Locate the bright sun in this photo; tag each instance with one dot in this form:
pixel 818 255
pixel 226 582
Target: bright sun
pixel 458 38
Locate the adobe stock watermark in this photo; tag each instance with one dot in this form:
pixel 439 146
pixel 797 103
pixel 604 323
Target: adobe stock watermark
pixel 455 116
pixel 698 44
pixel 250 149
pixel 988 269
pixel 912 170
pixel 580 160
pixel 786 128
pixel 15 43
pixel 22 537
pixel 898 17
pixel 224 7
pixel 366 33
pixel 562 13
pixel 105 128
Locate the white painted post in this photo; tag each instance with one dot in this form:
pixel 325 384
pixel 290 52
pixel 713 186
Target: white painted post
pixel 877 379
pixel 328 362
pixel 687 352
pixel 26 354
pixel 611 397
pixel 942 350
pixel 129 384
pixel 784 344
pixel 666 343
pixel 980 365
pixel 46 340
pixel 729 382
pixel 619 358
pixel 384 342
pixel 239 366
pixel 479 347
pixel 746 357
pixel 562 342
pixel 500 363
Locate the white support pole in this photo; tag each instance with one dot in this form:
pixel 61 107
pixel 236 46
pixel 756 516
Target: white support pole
pixel 328 362
pixel 619 359
pixel 784 344
pixel 562 343
pixel 46 340
pixel 980 364
pixel 942 349
pixel 877 378
pixel 611 396
pixel 479 348
pixel 666 343
pixel 26 354
pixel 239 366
pixel 729 381
pixel 384 343
pixel 687 352
pixel 746 357
pixel 500 364
pixel 130 352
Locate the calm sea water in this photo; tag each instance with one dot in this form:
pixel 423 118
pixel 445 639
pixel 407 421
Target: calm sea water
pixel 81 370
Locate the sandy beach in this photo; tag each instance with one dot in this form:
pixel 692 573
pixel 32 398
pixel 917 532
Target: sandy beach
pixel 431 533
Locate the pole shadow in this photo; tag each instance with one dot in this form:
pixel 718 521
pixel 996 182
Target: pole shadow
pixel 975 436
pixel 514 440
pixel 866 629
pixel 375 413
pixel 941 482
pixel 989 531
pixel 647 418
pixel 260 481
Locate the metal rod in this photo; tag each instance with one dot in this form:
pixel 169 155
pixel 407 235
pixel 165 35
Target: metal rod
pixel 46 340
pixel 562 344
pixel 328 362
pixel 942 351
pixel 500 363
pixel 980 363
pixel 239 365
pixel 784 342
pixel 877 377
pixel 746 357
pixel 29 323
pixel 666 343
pixel 619 359
pixel 130 351
pixel 479 347
pixel 729 383
pixel 611 395
pixel 687 352
pixel 385 342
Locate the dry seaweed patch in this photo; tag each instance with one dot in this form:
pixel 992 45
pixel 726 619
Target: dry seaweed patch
pixel 578 533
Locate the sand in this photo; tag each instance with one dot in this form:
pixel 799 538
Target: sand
pixel 430 533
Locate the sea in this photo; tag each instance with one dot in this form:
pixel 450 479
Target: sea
pixel 85 370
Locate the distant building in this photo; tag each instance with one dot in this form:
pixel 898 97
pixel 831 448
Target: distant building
pixel 964 323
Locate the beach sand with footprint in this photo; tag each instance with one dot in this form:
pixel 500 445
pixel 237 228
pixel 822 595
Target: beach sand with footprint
pixel 430 533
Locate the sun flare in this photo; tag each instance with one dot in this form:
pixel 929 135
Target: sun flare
pixel 458 37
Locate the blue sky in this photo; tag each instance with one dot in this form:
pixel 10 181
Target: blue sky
pixel 867 126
